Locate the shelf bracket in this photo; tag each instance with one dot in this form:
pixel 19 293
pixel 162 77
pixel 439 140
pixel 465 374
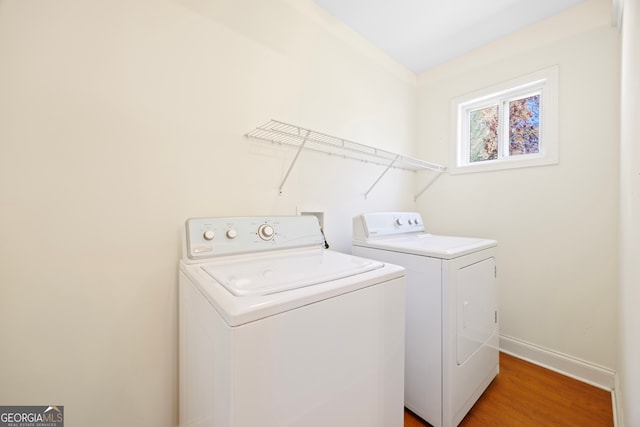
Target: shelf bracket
pixel 293 162
pixel 389 166
pixel 415 199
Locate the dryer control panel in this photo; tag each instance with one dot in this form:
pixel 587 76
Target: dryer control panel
pixel 212 237
pixel 372 225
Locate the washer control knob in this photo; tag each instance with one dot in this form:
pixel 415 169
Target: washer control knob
pixel 231 233
pixel 399 222
pixel 208 235
pixel 266 232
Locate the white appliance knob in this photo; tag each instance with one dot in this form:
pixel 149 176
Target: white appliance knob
pixel 265 231
pixel 410 222
pixel 416 221
pixel 208 235
pixel 399 221
pixel 231 233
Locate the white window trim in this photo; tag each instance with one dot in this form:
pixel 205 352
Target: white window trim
pixel 547 81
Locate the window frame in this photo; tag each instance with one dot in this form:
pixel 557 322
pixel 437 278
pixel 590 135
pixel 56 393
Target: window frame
pixel 543 82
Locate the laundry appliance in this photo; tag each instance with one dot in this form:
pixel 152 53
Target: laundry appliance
pixel 452 311
pixel 276 330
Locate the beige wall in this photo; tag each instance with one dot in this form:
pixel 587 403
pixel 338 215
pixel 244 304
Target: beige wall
pixel 118 120
pixel 557 225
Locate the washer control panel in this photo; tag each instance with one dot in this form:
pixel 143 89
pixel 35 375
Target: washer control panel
pixel 372 225
pixel 212 237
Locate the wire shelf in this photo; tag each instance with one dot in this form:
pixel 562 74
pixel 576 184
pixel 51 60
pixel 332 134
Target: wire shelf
pixel 295 136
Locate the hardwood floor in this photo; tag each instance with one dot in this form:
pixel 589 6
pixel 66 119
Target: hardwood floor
pixel 524 394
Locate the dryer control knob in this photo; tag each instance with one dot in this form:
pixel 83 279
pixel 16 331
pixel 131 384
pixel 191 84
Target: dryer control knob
pixel 266 232
pixel 208 235
pixel 399 221
pixel 231 233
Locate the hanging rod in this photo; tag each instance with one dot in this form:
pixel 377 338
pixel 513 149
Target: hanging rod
pixel 301 138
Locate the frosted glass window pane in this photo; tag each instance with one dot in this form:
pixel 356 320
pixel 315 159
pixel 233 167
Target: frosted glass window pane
pixel 524 126
pixel 483 134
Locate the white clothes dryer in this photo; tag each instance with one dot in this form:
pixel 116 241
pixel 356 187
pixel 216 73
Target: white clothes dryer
pixel 277 331
pixel 452 311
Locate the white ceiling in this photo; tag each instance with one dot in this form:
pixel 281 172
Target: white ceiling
pixel 423 33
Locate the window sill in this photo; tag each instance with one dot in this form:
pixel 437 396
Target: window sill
pixel 511 163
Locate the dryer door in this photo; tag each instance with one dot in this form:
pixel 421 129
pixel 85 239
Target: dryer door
pixel 476 307
pixel 470 331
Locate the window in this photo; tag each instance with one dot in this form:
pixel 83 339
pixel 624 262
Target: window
pixel 510 125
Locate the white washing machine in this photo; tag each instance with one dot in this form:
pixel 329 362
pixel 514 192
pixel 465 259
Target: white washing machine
pixel 275 330
pixel 452 311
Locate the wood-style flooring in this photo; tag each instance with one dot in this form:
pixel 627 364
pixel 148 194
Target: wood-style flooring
pixel 524 394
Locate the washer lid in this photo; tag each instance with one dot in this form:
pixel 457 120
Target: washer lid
pixel 277 273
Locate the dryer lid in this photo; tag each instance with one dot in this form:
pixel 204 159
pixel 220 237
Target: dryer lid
pixel 424 244
pixel 277 273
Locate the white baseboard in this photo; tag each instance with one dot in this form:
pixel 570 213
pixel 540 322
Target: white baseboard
pixel 617 405
pixel 581 370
